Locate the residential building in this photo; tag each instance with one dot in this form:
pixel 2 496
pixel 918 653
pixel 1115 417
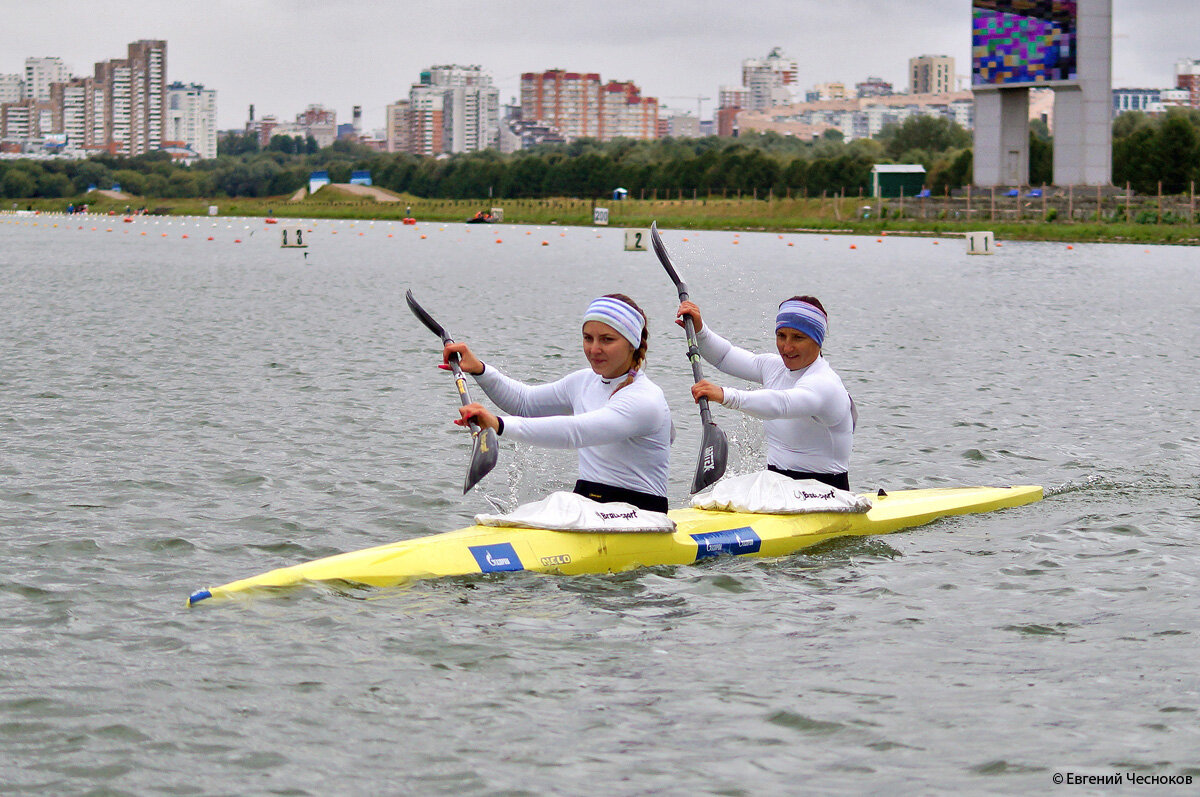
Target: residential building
pixel 12 88
pixel 39 74
pixel 398 127
pixel 677 124
pixel 319 122
pixel 567 101
pixel 192 118
pixel 625 113
pixel 427 116
pixel 578 105
pixel 1187 76
pixel 874 87
pixel 824 92
pixel 470 106
pixel 931 74
pixel 731 100
pixel 769 81
pixel 859 117
pixel 1144 100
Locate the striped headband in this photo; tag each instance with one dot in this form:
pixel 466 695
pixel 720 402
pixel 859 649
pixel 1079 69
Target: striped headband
pixel 618 315
pixel 802 317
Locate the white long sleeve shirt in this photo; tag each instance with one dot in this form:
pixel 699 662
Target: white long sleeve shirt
pixel 623 440
pixel 807 416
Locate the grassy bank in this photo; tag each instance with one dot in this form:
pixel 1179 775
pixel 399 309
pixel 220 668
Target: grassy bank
pixel 1100 222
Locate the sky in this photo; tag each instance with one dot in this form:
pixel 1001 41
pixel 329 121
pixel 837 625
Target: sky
pixel 283 55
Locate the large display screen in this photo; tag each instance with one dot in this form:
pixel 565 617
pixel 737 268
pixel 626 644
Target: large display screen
pixel 1023 41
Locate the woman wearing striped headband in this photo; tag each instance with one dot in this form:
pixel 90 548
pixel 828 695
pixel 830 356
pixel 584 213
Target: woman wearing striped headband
pixel 808 417
pixel 611 413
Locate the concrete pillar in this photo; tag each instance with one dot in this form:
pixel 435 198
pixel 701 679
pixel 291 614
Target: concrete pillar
pixel 1083 113
pixel 1001 136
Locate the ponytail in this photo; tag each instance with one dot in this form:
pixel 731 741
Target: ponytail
pixel 639 354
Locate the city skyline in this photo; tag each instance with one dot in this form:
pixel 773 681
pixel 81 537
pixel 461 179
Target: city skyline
pixel 300 52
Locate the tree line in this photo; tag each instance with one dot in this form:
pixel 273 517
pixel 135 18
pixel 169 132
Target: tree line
pixel 1146 151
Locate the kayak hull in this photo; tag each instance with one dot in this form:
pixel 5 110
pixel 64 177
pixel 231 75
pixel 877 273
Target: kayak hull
pixel 699 534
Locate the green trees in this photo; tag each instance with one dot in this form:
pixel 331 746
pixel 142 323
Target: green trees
pixel 1146 150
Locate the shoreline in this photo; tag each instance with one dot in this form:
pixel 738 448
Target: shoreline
pixel 826 216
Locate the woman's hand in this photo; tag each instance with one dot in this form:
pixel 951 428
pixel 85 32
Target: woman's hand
pixel 468 362
pixel 688 308
pixel 706 389
pixel 478 413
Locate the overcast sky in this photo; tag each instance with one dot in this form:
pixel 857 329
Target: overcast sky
pixel 282 55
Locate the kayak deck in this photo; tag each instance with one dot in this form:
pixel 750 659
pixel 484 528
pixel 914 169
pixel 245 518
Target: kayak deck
pixel 699 534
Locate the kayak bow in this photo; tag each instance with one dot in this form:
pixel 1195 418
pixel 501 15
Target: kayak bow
pixel 699 534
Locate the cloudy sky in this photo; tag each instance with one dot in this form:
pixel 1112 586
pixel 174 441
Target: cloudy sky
pixel 282 55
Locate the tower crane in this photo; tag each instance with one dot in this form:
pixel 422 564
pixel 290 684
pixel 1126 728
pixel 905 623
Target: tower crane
pixel 699 99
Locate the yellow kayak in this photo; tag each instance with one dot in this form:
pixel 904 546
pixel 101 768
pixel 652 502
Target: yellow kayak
pixel 699 534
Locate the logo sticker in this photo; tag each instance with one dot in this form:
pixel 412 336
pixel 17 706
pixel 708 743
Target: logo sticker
pixel 496 558
pixel 734 542
pixel 561 559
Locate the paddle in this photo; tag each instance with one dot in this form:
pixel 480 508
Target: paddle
pixel 486 447
pixel 714 448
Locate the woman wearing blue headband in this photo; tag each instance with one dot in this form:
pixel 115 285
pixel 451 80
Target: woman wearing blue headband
pixel 808 417
pixel 615 417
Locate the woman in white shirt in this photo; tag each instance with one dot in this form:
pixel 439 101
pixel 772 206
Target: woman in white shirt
pixel 611 413
pixel 808 417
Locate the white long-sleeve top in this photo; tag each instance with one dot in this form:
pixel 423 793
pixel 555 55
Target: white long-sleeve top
pixel 807 416
pixel 623 440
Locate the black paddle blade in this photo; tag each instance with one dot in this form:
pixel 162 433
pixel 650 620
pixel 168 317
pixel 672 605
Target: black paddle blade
pixel 483 458
pixel 660 249
pixel 714 454
pixel 424 317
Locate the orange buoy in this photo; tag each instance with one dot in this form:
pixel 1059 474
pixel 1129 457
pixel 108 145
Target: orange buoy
pixel 853 246
pixel 544 243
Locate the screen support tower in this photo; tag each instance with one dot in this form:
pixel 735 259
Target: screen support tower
pixel 1082 114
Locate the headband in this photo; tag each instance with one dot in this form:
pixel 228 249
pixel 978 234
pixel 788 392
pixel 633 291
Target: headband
pixel 620 316
pixel 802 317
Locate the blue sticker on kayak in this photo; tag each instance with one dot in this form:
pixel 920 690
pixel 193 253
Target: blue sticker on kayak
pixel 730 541
pixel 496 558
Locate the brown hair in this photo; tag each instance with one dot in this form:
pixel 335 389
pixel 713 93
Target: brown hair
pixel 639 354
pixel 813 300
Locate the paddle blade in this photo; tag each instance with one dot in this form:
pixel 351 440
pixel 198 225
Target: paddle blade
pixel 660 249
pixel 714 454
pixel 425 318
pixel 483 458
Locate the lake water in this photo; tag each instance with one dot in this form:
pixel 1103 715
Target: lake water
pixel 178 412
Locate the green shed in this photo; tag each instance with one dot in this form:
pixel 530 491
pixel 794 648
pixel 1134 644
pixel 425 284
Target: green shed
pixel 896 179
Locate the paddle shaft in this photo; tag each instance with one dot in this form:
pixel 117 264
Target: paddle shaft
pixel 693 353
pixel 460 381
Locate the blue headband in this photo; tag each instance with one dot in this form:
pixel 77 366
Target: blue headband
pixel 618 315
pixel 802 317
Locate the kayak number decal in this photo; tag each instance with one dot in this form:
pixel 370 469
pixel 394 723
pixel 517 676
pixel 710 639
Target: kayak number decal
pixel 734 542
pixel 498 558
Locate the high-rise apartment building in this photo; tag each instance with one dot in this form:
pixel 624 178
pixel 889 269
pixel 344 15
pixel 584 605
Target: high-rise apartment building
pixel 192 118
pixel 931 74
pixel 625 113
pixel 567 101
pixel 397 127
pixel 12 88
pixel 426 110
pixel 769 80
pixel 121 108
pixel 470 107
pixel 39 74
pixel 579 105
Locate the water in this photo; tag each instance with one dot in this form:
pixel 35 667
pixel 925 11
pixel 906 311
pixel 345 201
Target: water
pixel 176 413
